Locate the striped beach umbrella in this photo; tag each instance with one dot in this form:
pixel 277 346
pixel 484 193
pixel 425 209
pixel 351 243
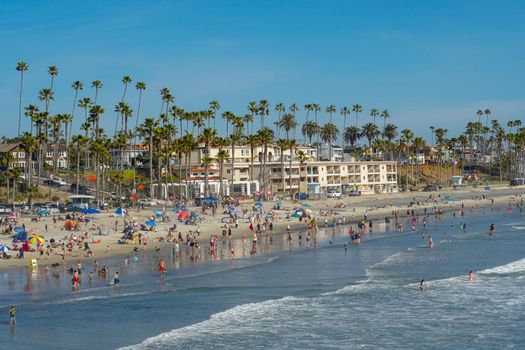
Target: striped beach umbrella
pixel 36 238
pixel 4 248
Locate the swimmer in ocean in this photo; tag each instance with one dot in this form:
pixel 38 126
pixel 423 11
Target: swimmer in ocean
pixel 471 276
pixel 421 285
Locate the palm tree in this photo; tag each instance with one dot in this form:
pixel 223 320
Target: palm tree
pixel 97 84
pixel 80 142
pixel 263 110
pixel 214 106
pixel 374 113
pixel 345 112
pixel 147 129
pixel 282 144
pixel 292 145
pixel 331 110
pixel 479 113
pixel 76 86
pixel 316 108
pixel 228 116
pixel 352 135
pixel 408 135
pixel 29 144
pixel 253 141
pixel 302 156
pixel 21 67
pixel 329 134
pixel 53 72
pixel 294 108
pixel 254 110
pixel 385 115
pixel 357 109
pixel 265 138
pixel 440 140
pixel 207 137
pixel 287 122
pixel 309 130
pixel 235 137
pixel 280 109
pixel 418 143
pixel 222 156
pixel 206 161
pixel 31 111
pixel 370 131
pixel 125 80
pixel 141 87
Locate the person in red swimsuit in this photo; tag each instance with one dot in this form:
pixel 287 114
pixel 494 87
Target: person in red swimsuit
pixel 162 267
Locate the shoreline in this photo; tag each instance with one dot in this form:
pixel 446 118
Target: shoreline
pixel 377 207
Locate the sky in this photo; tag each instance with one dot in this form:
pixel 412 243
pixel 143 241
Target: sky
pixel 430 63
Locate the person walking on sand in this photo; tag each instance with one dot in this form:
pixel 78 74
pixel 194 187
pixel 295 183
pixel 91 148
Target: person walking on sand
pixel 162 268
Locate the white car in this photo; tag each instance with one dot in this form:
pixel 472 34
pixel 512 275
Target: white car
pixel 333 194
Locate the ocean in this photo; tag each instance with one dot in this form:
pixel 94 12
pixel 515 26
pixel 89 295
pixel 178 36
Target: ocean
pixel 293 296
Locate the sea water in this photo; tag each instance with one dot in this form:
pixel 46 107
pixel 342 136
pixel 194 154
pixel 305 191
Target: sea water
pixel 291 296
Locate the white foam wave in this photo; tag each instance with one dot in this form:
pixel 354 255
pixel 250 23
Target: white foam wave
pixel 512 267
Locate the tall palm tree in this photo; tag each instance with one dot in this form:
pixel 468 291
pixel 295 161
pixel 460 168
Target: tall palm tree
pixel 408 136
pixel 29 144
pixel 292 145
pixel 125 80
pixel 265 138
pixel 222 156
pixel 263 110
pixel 21 67
pixel 418 144
pixel 235 138
pixel 331 110
pixel 357 109
pixel 97 84
pixel 53 72
pixel 480 114
pixel 329 133
pixel 316 108
pixel 294 108
pixel 254 110
pixel 147 129
pixel 80 142
pixel 302 156
pixel 280 109
pixel 31 111
pixel 345 112
pixel 282 144
pixel 141 87
pixel 253 141
pixel 207 137
pixel 385 115
pixel 374 113
pixel 214 107
pixel 228 116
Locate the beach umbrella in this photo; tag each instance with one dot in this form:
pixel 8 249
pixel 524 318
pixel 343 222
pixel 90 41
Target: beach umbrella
pixel 258 204
pixel 213 199
pixel 90 211
pixel 306 205
pixel 279 203
pixel 42 212
pixel 158 213
pixel 151 223
pixel 12 218
pixel 448 198
pixel 120 211
pixel 103 227
pixel 19 229
pixel 20 237
pixel 4 248
pixel 36 238
pixel 296 215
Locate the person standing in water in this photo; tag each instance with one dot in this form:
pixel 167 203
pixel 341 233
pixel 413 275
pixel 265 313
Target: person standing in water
pixel 430 242
pixel 471 276
pixel 492 230
pixel 162 268
pixel 12 314
pixel 421 285
pixel 116 280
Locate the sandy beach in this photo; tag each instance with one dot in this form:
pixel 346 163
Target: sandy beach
pixel 107 245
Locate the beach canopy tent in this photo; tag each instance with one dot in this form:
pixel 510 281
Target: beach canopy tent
pixel 120 211
pixel 20 237
pixel 90 211
pixel 71 225
pixel 151 223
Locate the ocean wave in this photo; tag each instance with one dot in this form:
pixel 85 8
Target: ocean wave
pixel 510 268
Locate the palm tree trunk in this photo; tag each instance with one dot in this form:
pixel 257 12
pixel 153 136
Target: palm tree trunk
pixel 233 168
pixel 151 165
pixel 78 168
pixel 290 174
pixel 20 101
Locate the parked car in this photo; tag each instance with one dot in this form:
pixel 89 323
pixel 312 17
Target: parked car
pixel 82 189
pixel 51 182
pixel 354 193
pixel 60 182
pixel 430 188
pixel 333 194
pixel 5 209
pixel 518 181
pixel 147 202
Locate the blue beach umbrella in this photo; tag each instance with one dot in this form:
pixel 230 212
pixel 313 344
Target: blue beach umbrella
pixel 306 205
pixel 20 237
pixel 151 223
pixel 448 198
pixel 90 211
pixel 19 229
pixel 120 211
pixel 42 212
pixel 4 248
pixel 158 213
pixel 213 199
pixel 258 204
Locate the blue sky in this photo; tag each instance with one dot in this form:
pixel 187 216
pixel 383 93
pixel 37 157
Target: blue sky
pixel 427 62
